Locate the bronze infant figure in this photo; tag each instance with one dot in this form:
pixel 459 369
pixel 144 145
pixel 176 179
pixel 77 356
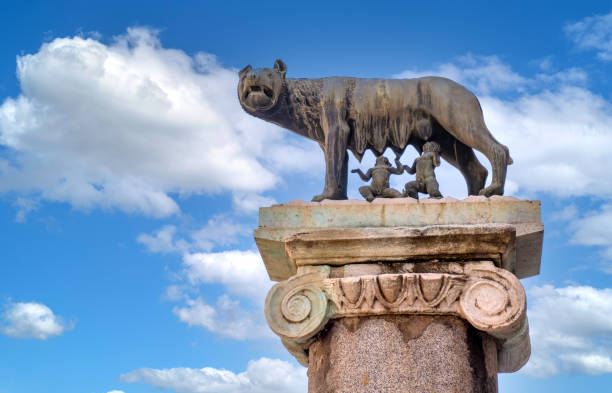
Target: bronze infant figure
pixel 424 167
pixel 380 179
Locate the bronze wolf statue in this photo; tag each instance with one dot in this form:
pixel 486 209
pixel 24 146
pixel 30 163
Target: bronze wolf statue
pixel 359 114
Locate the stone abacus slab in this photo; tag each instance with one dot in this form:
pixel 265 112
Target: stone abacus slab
pixel 505 230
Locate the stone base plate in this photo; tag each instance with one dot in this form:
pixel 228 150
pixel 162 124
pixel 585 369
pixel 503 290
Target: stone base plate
pixel 505 230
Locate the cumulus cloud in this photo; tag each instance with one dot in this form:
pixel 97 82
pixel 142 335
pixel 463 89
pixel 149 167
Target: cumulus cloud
pixel 593 32
pixel 489 75
pixel 177 292
pixel 261 376
pixel 484 73
pixel 246 203
pixel 554 138
pixel 218 231
pixel 593 229
pixel 568 213
pixel 31 320
pixel 162 241
pixel 227 319
pixel 242 273
pixel 239 273
pixel 570 330
pixel 129 124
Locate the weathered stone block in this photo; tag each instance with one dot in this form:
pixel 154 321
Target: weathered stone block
pixel 503 229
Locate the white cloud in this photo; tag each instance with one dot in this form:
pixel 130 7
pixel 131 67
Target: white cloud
pixel 175 293
pixel 162 240
pixel 261 376
pixel 555 138
pixel 116 391
pixel 568 213
pixel 227 319
pixel 126 125
pixel 218 231
pixel 24 206
pixel 246 203
pixel 594 32
pixel 484 73
pixel 593 229
pixel 242 272
pixel 489 75
pixel 591 364
pixel 570 330
pixel 31 320
pixel 575 76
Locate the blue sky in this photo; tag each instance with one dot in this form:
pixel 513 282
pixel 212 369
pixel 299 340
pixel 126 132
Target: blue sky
pixel 130 178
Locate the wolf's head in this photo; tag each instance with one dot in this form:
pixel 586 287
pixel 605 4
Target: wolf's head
pixel 259 89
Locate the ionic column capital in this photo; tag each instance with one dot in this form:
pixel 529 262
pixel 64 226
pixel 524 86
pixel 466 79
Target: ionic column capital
pixel 489 298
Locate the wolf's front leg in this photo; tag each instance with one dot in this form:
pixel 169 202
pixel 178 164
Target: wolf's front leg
pixel 336 171
pixel 336 159
pixel 335 180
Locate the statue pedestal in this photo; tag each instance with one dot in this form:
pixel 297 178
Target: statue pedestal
pixel 400 295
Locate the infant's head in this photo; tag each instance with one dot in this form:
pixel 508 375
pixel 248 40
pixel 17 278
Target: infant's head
pixel 382 160
pixel 431 147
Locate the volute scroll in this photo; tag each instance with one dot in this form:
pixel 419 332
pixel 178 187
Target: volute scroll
pixel 297 309
pixel 494 301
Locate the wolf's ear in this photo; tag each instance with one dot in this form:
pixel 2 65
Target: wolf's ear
pixel 280 67
pixel 245 70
